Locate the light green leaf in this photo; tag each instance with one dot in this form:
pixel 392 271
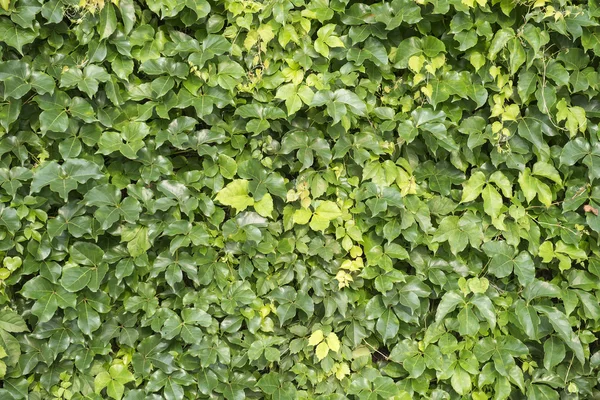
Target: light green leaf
pixel 235 195
pixel 473 187
pixel 265 206
pixel 492 201
pixel 461 381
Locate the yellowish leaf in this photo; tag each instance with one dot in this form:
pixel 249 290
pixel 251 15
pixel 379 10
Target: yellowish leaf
pixel 333 342
pixel 235 195
pixel 427 90
pixel 301 216
pixel 322 351
pixel 266 33
pixel 341 371
pixel 343 278
pixel 316 338
pixel 265 206
pixel 416 63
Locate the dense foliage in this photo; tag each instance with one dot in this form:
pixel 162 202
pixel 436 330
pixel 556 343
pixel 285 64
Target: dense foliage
pixel 299 199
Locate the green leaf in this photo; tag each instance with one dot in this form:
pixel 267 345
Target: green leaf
pixel 11 347
pixel 461 381
pixel 108 21
pixel 162 85
pixel 53 11
pixel 554 352
pixel 15 36
pixel 492 201
pixel 504 260
pixel 530 130
pixel 501 38
pixel 265 206
pixel 486 308
pixel 212 46
pixel 388 325
pixel 562 327
pixel 88 319
pixel 127 10
pixel 325 212
pixel 459 232
pixel 574 151
pixel 406 188
pixel 137 240
pixel 546 170
pixel 12 322
pixel 473 187
pixel 55 120
pixel 64 178
pixel 321 351
pixel 384 386
pixel 517 55
pixel 9 219
pixel 468 322
pixel 75 279
pixel 328 210
pixel 449 302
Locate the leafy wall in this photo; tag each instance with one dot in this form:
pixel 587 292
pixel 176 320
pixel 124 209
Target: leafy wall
pixel 295 199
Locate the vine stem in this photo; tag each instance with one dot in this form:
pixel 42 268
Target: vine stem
pixel 377 351
pixel 569 369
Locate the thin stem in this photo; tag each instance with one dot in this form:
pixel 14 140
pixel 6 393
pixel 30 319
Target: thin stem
pixel 377 351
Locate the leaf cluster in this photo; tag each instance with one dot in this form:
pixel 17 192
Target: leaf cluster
pixel 299 199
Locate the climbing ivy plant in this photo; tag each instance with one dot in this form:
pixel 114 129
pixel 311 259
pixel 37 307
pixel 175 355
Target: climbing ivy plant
pixel 299 199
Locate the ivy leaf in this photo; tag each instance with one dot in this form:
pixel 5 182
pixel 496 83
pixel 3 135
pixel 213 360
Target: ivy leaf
pixel 505 260
pixel 113 380
pixel 388 325
pixel 351 198
pixel 108 21
pixel 473 187
pixel 12 322
pixel 561 325
pixel 235 194
pixel 16 36
pixel 137 240
pixel 486 308
pixel 492 201
pixel 459 232
pixel 76 278
pixel 325 212
pixel 212 46
pixel 554 352
pixel 461 381
pixel 66 177
pixel 322 350
pixel 55 120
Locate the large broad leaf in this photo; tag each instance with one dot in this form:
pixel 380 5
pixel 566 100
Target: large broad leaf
pixel 64 178
pixel 561 325
pixel 212 46
pixel 15 36
pixel 12 322
pixel 504 260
